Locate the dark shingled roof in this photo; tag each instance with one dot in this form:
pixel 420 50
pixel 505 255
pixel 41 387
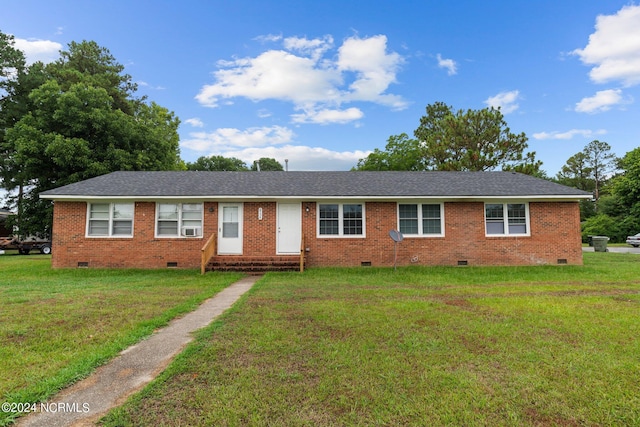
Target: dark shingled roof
pixel 313 184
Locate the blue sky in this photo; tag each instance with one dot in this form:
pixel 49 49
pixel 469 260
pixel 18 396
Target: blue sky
pixel 323 83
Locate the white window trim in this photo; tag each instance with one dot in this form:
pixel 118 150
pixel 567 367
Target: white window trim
pixel 110 235
pixel 180 226
pixel 421 233
pixel 340 234
pixel 506 218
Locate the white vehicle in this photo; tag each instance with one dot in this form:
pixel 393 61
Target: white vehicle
pixel 634 240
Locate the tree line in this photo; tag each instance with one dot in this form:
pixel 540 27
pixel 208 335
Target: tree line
pixel 80 117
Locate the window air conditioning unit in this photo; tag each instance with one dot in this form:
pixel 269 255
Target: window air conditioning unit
pixel 191 231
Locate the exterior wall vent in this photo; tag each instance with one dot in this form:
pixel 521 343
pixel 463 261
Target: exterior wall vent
pixel 562 260
pixel 463 262
pixel 172 264
pixel 83 264
pixel 365 264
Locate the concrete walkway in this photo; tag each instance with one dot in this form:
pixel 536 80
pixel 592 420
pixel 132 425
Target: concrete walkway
pixel 85 402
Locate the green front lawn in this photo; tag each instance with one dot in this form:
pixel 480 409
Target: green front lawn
pixel 550 345
pixel 56 326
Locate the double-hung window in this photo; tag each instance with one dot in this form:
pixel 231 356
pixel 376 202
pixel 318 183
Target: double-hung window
pixel 110 220
pixel 341 219
pixel 179 219
pixel 420 219
pixel 507 219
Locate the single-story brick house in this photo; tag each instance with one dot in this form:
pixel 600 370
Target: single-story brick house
pixel 163 219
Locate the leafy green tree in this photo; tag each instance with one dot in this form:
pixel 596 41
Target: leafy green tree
pixel 471 140
pixel 626 193
pixel 618 213
pixel 626 186
pixel 15 86
pixel 82 121
pixel 93 65
pixel 266 164
pixel 217 163
pixel 603 225
pixel 400 154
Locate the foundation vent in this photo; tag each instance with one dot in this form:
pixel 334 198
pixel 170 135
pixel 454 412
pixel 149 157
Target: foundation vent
pixel 83 264
pixel 365 264
pixel 463 262
pixel 172 264
pixel 562 260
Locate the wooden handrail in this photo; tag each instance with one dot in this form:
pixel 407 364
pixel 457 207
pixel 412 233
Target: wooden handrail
pixel 302 250
pixel 207 251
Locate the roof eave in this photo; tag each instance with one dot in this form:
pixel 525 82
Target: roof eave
pixel 537 197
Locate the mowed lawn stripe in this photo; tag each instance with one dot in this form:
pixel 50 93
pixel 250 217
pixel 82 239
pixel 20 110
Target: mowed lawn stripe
pixel 56 326
pixel 549 345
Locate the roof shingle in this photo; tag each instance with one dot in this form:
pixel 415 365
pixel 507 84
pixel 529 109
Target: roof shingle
pixel 313 184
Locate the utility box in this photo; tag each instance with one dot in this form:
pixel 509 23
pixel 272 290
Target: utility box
pixel 600 243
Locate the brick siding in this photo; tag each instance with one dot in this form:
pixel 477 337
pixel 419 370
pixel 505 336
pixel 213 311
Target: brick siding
pixel 555 237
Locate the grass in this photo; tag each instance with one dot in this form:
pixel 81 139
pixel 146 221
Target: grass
pixel 56 326
pixel 519 346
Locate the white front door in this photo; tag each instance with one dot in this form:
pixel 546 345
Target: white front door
pixel 289 228
pixel 230 229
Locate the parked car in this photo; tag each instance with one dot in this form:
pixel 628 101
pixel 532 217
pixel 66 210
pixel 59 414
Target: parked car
pixel 634 240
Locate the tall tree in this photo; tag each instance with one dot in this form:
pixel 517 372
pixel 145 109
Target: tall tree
pixel 83 121
pixel 578 174
pixel 471 140
pixel 17 80
pixel 601 160
pixel 217 163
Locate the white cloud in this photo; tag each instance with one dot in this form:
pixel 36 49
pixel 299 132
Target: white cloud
pixel 148 86
pixel 603 100
pixel 506 101
pixel 195 122
pixel 269 38
pixel 231 138
pixel 375 70
pixel 314 48
pixel 274 74
pixel 39 50
pixel 328 116
pixel 449 64
pixel 263 113
pixel 306 75
pixel 614 47
pixel 302 158
pixel 585 133
pixel 274 142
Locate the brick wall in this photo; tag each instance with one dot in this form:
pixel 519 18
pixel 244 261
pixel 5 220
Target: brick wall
pixel 259 234
pixel 143 250
pixel 555 235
